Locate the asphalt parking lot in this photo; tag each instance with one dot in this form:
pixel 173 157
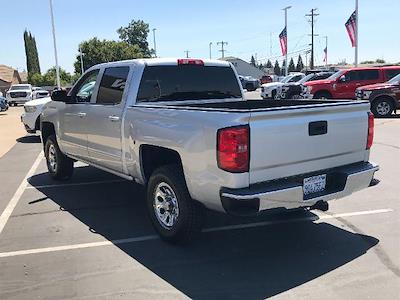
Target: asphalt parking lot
pixel 90 238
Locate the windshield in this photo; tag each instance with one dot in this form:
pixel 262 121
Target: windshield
pixel 395 80
pixel 179 83
pixel 336 75
pixel 20 87
pixel 306 78
pixel 286 79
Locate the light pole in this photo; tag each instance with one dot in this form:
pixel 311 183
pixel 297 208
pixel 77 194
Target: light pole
pixel 326 51
pixel 154 42
pixel 356 34
pixel 55 45
pixel 81 55
pixel 210 48
pixel 287 40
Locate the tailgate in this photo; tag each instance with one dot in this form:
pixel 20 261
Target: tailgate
pixel 292 141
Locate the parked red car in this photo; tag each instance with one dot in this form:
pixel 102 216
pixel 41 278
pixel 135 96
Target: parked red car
pixel 343 84
pixel 384 97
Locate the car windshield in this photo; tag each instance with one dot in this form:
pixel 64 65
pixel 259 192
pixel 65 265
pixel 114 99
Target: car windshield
pixel 306 78
pixel 20 87
pixel 286 79
pixel 179 83
pixel 336 75
pixel 395 80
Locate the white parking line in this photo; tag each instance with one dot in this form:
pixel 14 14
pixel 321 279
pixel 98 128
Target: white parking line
pixel 18 193
pixel 222 228
pixel 74 184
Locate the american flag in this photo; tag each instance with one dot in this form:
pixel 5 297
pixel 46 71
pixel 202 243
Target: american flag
pixel 325 54
pixel 283 41
pixel 351 29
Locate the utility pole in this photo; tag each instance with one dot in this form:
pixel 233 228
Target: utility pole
pixel 187 53
pixel 209 45
pixel 55 45
pixel 312 15
pixel 222 43
pixel 326 53
pixel 81 55
pixel 154 42
pixel 356 33
pixel 287 40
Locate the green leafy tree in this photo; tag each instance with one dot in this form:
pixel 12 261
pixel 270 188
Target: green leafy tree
pixel 300 65
pixel 136 34
pixel 253 61
pixel 292 67
pixel 97 51
pixel 380 61
pixel 49 78
pixel 32 57
pixel 277 69
pixel 269 64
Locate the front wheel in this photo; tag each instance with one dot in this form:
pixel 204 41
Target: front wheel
pixel 58 164
pixel 382 107
pixel 175 216
pixel 322 95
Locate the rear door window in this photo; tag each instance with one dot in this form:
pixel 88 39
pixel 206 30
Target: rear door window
pixel 187 82
pixel 112 85
pixel 368 74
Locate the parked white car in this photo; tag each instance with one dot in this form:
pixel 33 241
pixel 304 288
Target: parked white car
pixel 19 94
pixel 270 90
pixel 38 92
pixel 31 116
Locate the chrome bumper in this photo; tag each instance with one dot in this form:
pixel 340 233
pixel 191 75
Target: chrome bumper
pixel 288 192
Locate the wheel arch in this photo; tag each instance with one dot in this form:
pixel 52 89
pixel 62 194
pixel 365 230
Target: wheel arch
pixel 324 91
pixel 47 129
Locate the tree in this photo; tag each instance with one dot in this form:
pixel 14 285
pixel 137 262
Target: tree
pixel 31 53
pixel 300 65
pixel 135 34
pixel 253 61
pixel 97 51
pixel 269 64
pixel 292 67
pixel 49 78
pixel 283 68
pixel 277 69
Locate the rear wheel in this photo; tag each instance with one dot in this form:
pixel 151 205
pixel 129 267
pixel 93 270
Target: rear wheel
pixel 59 166
pixel 382 107
pixel 175 216
pixel 250 87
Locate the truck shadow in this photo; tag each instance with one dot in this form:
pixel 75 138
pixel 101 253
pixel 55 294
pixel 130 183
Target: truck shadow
pixel 256 262
pixel 29 139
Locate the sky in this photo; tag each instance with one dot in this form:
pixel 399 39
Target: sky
pixel 249 27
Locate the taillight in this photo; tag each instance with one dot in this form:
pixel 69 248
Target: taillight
pixel 233 148
pixel 370 138
pixel 189 61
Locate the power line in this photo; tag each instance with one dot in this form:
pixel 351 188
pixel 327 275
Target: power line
pixel 222 43
pixel 312 15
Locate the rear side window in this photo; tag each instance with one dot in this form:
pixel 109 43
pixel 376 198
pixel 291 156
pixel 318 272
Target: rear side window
pixel 391 73
pixel 112 85
pixel 187 82
pixel 368 74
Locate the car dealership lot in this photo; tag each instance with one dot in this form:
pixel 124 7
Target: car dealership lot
pixel 90 238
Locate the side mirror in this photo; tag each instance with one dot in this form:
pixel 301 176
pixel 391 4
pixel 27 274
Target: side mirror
pixel 342 78
pixel 60 96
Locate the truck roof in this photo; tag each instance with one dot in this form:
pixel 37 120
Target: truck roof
pixel 165 62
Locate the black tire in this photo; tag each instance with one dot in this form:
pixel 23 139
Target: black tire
pixel 250 87
pixel 273 94
pixel 382 107
pixel 322 95
pixel 64 166
pixel 189 220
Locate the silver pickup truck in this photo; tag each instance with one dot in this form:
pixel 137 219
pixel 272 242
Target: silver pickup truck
pixel 183 128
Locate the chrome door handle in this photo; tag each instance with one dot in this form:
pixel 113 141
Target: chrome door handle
pixel 81 114
pixel 113 118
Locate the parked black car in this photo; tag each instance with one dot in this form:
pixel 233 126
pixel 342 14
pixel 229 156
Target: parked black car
pixel 295 89
pixel 3 104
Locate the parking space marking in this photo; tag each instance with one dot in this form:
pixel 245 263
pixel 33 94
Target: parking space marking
pixel 215 229
pixel 74 184
pixel 18 193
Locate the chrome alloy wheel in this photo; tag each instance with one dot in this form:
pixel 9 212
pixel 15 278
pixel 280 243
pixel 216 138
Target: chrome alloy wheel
pixel 165 205
pixel 383 108
pixel 52 158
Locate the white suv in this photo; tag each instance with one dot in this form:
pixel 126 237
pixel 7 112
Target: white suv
pixel 19 94
pixel 31 115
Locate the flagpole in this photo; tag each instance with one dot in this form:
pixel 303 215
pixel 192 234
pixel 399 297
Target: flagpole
pixel 356 47
pixel 287 40
pixel 55 45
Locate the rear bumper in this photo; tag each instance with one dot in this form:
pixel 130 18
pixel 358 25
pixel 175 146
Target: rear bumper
pixel 288 192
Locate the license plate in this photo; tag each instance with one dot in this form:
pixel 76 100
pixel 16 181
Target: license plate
pixel 314 184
